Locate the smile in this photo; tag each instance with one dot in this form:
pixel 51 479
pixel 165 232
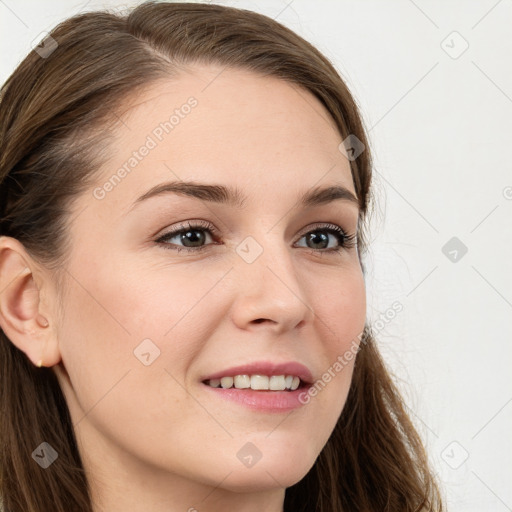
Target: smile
pixel 257 382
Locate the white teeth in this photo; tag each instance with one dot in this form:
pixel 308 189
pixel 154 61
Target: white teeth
pixel 257 382
pixel 242 381
pixel 226 382
pixel 276 382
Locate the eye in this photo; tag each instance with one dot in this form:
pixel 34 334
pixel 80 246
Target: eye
pixel 194 238
pixel 318 239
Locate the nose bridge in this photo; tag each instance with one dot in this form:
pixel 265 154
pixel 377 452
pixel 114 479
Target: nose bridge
pixel 270 288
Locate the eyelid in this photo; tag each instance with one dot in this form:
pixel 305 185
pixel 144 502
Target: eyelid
pixel 189 224
pixel 321 225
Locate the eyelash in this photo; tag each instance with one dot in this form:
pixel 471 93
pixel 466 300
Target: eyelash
pixel 346 241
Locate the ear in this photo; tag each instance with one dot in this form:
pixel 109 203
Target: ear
pixel 24 317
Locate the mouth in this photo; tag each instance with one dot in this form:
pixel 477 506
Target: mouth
pixel 262 386
pixel 258 382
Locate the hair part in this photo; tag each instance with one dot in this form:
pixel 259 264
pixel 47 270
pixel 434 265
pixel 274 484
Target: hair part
pixel 57 119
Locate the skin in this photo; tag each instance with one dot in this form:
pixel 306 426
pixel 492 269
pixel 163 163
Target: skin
pixel 150 437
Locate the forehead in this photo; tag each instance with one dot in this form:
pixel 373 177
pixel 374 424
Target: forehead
pixel 227 101
pixel 226 125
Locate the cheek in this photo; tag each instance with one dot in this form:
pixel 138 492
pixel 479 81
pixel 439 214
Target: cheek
pixel 105 320
pixel 340 316
pixel 117 320
pixel 341 310
pixel 159 301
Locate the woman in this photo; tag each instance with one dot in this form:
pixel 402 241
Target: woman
pixel 184 197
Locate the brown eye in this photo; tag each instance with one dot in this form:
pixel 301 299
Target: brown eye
pixel 192 237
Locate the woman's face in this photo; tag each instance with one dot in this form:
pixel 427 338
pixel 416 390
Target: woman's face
pixel 146 323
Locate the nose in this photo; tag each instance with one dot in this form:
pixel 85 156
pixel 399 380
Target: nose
pixel 269 290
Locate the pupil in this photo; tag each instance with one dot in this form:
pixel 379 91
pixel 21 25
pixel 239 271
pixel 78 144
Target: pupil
pixel 193 236
pixel 317 238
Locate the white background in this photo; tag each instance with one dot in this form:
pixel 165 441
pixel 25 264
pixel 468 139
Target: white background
pixel 440 126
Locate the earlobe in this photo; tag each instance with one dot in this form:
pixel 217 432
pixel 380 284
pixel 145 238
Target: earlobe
pixel 20 316
pixel 42 321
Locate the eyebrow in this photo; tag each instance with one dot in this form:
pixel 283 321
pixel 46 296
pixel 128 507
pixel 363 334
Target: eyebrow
pixel 233 197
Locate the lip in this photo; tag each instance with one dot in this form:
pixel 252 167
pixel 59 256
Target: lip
pixel 263 400
pixel 266 368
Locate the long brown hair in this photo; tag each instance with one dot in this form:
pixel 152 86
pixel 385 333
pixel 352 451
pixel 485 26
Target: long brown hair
pixel 55 114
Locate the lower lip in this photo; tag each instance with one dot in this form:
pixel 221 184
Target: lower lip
pixel 267 401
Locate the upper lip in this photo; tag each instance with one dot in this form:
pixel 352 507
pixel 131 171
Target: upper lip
pixel 266 368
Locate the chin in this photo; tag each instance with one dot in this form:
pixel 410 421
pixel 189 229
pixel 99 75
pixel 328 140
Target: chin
pixel 275 468
pixel 265 477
